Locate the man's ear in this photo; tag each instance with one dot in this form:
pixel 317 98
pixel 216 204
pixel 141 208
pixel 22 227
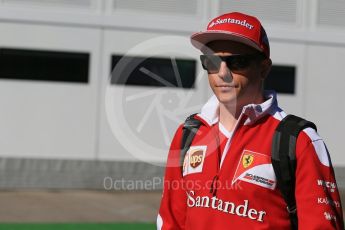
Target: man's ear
pixel 266 65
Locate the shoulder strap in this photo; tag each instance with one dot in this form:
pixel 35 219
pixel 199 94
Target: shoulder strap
pixel 190 128
pixel 284 159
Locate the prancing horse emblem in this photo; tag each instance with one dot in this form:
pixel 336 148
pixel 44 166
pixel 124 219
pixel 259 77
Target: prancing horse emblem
pixel 247 160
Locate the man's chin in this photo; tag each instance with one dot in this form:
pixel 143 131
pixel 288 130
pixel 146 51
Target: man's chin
pixel 228 101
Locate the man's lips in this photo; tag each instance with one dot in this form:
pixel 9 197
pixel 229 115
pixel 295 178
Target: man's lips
pixel 226 86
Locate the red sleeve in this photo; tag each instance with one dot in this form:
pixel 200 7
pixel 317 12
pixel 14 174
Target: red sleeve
pixel 317 195
pixel 172 210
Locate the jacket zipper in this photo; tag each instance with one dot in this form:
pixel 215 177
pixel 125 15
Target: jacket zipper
pixel 213 189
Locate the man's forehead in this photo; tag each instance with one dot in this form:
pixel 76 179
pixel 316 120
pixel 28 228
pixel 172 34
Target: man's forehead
pixel 227 46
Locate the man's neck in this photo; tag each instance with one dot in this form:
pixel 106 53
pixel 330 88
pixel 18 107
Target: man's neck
pixel 229 114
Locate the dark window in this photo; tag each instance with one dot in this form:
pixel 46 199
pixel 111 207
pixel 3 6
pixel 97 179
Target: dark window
pixel 44 65
pixel 281 79
pixel 153 71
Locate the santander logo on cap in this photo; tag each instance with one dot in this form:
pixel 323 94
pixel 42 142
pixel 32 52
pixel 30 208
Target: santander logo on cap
pixel 232 21
pixel 237 27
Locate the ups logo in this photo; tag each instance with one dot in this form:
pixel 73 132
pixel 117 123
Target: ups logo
pixel 196 158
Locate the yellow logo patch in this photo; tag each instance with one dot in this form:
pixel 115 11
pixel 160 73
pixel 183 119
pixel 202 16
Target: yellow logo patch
pixel 247 160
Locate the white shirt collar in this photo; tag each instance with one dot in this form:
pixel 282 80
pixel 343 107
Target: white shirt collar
pixel 210 111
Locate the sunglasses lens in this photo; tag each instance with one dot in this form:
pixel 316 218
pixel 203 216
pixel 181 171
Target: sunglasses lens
pixel 211 63
pixel 239 62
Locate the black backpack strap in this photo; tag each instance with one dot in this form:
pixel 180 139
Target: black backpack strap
pixel 190 128
pixel 284 160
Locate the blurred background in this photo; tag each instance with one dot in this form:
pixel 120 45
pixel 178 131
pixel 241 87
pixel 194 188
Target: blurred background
pixel 79 150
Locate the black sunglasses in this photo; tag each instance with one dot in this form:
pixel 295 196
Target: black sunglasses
pixel 238 62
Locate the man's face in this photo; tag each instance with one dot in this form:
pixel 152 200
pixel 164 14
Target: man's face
pixel 237 86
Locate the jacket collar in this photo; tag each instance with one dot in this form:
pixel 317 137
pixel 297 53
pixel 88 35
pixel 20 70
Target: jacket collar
pixel 210 111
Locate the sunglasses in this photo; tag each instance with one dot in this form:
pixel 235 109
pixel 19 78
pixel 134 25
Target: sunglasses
pixel 235 62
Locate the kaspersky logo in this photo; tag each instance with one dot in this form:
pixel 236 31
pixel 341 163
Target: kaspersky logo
pixel 219 21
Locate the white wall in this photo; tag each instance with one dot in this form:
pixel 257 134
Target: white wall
pixel 126 129
pixel 291 54
pixel 325 95
pixel 61 120
pixel 49 119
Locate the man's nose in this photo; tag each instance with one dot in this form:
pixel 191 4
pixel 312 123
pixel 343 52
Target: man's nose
pixel 224 72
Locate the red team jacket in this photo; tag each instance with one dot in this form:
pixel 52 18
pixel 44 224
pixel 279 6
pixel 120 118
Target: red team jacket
pixel 233 185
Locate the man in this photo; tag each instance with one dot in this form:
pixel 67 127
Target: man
pixel 227 180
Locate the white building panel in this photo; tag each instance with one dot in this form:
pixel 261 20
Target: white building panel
pixel 142 120
pixel 289 54
pixel 41 119
pixel 324 96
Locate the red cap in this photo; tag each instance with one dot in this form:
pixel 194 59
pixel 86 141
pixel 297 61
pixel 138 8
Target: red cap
pixel 237 27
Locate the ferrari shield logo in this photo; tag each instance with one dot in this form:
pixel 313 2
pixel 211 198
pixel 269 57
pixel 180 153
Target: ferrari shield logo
pixel 255 168
pixel 247 160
